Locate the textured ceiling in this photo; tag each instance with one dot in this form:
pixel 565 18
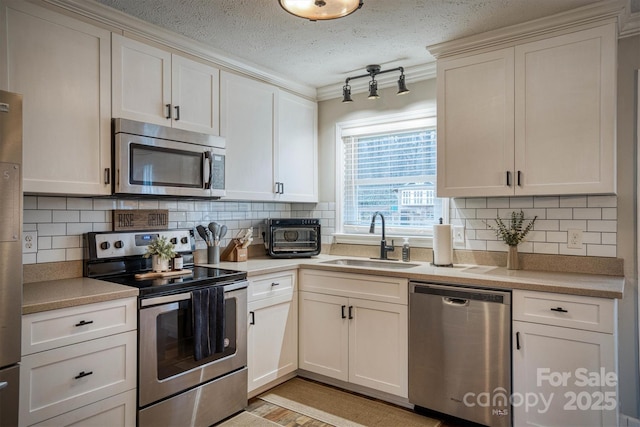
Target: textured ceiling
pixel 387 32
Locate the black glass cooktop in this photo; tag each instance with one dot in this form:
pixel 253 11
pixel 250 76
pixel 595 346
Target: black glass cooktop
pixel 199 277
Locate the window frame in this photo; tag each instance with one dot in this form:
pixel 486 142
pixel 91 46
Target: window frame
pixel 370 126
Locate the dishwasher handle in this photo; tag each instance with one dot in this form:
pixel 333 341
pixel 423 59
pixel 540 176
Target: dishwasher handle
pixel 460 302
pixel 455 295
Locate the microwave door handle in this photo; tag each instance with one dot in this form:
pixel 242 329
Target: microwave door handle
pixel 207 165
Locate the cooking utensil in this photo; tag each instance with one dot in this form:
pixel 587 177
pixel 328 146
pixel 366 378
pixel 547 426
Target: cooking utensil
pixel 203 233
pixel 214 227
pixel 223 231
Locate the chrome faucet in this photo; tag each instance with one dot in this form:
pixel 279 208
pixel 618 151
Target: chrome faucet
pixel 383 243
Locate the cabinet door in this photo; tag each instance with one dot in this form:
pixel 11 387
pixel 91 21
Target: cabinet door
pixel 141 82
pixel 195 96
pixel 247 123
pixel 272 339
pixel 475 125
pixel 565 113
pixel 546 353
pixel 296 159
pixel 378 346
pixel 324 335
pixel 61 66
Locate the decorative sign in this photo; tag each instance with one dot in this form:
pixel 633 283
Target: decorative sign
pixel 142 219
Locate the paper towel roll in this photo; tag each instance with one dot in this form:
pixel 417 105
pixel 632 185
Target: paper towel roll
pixel 442 245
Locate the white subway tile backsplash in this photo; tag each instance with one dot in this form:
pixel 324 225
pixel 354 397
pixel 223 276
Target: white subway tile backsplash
pixel 95 216
pixel 36 216
pixel 66 216
pixel 602 226
pixel 520 202
pixel 45 229
pixel 602 201
pixel 573 201
pixel 52 203
pixel 58 242
pixel 601 250
pixel 104 204
pixel 44 242
pixel 79 203
pixel 546 202
pixel 587 213
pixel 595 216
pixel 51 255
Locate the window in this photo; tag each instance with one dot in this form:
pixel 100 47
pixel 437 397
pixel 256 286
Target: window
pixel 389 168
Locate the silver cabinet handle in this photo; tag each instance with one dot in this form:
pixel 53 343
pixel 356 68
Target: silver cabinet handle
pixel 3 384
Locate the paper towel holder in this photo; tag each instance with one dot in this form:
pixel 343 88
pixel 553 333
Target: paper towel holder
pixel 433 257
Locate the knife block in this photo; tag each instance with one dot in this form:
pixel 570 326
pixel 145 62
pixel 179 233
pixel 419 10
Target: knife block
pixel 234 252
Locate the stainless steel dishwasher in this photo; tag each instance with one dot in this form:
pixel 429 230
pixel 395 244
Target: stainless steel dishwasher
pixel 460 352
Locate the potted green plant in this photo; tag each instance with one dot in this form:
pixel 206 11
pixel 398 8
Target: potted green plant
pixel 161 251
pixel 512 234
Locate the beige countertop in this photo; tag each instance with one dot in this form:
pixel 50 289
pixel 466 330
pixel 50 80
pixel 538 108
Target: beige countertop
pixel 480 275
pixel 54 294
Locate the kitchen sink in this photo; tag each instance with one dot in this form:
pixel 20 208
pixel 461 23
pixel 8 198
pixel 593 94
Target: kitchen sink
pixel 371 263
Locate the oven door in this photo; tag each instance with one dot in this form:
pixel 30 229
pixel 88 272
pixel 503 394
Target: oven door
pixel 160 167
pixel 166 363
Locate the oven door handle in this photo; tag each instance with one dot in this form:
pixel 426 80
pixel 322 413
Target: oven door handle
pixel 187 295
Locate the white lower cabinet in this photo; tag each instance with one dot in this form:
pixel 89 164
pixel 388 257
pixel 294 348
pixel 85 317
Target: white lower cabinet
pixel 272 336
pixel 362 340
pixel 89 379
pixel 564 360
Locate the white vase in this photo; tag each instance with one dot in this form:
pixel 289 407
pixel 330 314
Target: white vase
pixel 513 261
pixel 159 264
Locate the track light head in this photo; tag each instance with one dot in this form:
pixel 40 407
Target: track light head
pixel 373 89
pixel 346 93
pixel 402 87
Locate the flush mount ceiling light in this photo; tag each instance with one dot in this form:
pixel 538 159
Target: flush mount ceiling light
pixel 373 71
pixel 321 10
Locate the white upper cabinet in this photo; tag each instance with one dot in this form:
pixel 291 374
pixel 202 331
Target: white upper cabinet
pixel 155 86
pixel 271 142
pixel 62 67
pixel 297 148
pixel 475 124
pixel 534 118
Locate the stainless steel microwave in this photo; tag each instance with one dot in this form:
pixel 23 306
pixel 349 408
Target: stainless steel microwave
pixel 159 161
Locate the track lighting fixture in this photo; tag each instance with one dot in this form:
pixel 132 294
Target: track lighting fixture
pixel 373 71
pixel 321 10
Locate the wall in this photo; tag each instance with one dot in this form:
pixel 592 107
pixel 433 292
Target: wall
pixel 61 221
pixel 628 63
pixel 609 222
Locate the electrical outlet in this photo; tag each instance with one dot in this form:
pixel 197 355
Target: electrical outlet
pixel 458 235
pixel 574 239
pixel 29 242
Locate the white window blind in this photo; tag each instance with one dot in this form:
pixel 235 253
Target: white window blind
pixel 393 173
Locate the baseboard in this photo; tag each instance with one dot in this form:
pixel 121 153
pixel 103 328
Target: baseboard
pixel 627 421
pixel 271 384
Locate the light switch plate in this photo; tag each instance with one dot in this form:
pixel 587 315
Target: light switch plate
pixel 458 235
pixel 29 242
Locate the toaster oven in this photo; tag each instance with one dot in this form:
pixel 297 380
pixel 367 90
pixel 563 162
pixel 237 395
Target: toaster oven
pixel 292 237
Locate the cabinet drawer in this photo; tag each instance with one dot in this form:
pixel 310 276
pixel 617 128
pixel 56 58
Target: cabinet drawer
pixel 119 410
pixel 57 381
pixel 365 286
pixel 571 311
pixel 56 328
pixel 271 285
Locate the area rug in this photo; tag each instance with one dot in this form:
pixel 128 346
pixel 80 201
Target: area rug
pixel 246 419
pixel 339 408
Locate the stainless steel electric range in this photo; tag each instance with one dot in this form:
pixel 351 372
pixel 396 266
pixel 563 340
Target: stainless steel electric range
pixel 192 342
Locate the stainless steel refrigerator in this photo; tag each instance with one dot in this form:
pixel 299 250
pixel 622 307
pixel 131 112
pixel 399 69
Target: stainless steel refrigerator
pixel 10 254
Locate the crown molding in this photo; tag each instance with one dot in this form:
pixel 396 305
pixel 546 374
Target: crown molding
pixel 412 74
pixel 630 25
pixel 129 25
pixel 591 14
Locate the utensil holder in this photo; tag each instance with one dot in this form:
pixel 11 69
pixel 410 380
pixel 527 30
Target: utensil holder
pixel 213 254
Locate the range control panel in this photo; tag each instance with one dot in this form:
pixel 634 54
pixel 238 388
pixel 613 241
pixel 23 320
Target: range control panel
pixel 118 244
